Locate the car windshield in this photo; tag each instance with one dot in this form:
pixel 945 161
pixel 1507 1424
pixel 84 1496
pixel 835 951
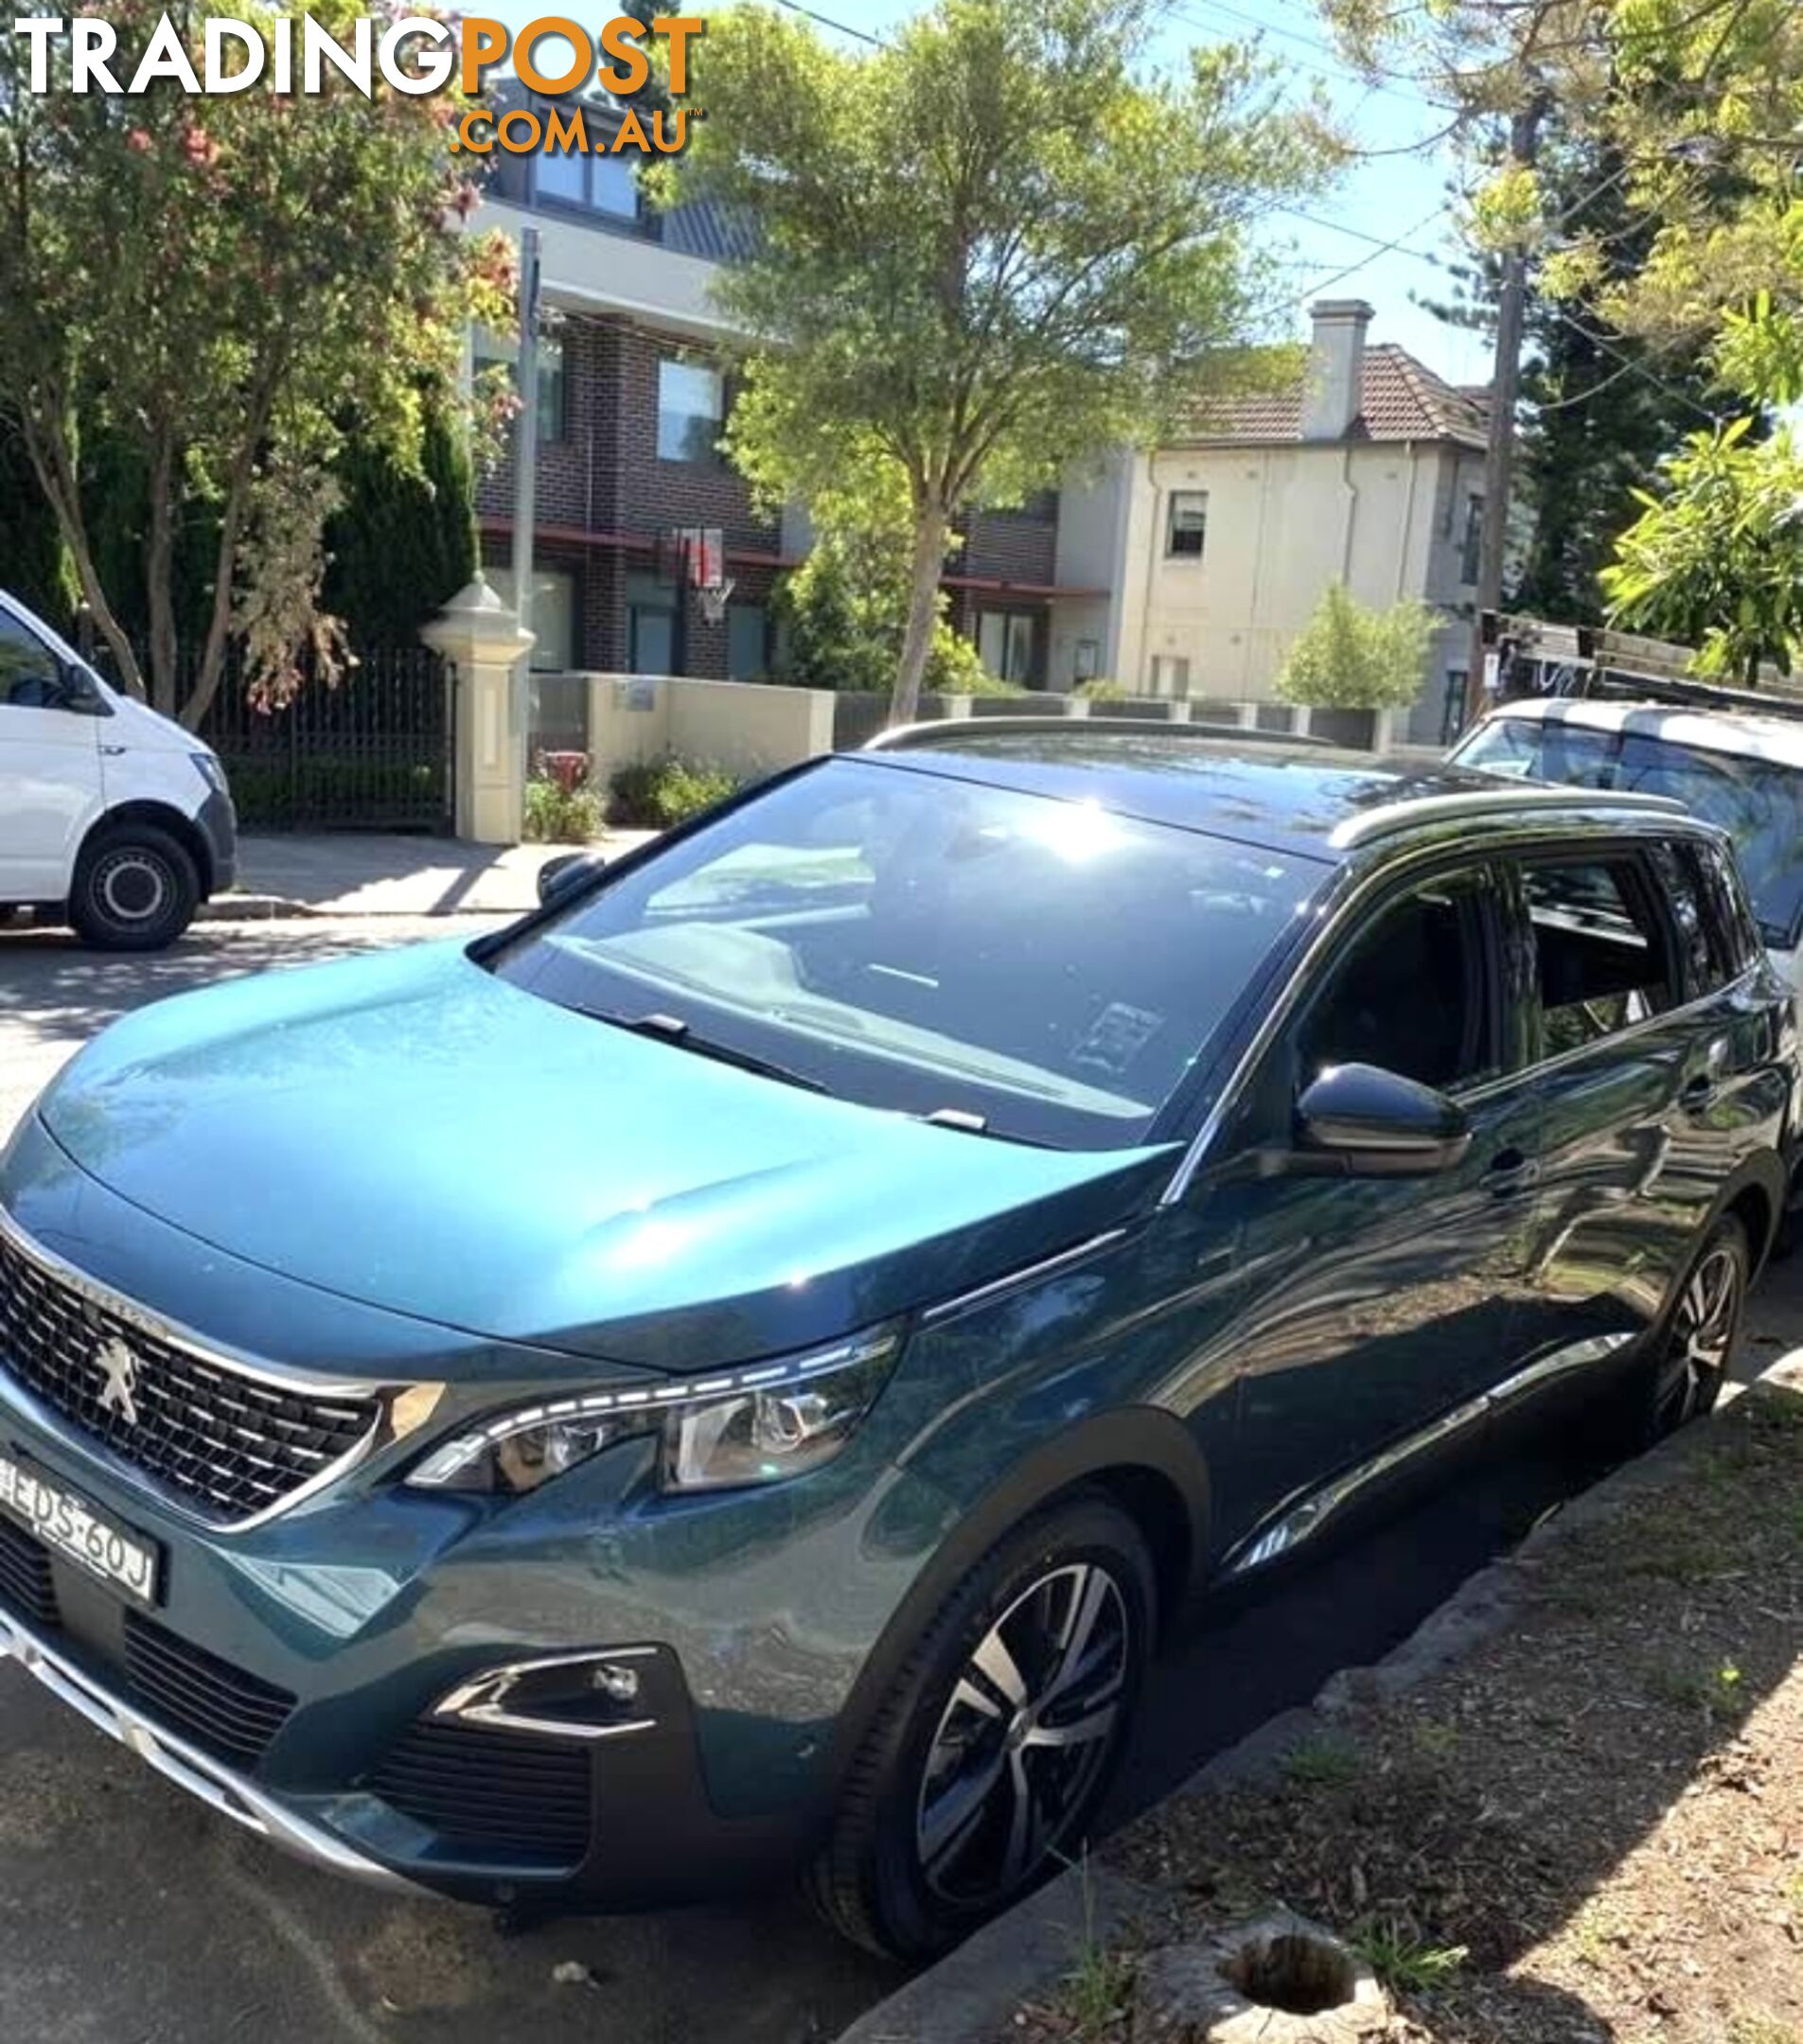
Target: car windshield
pixel 1759 801
pixel 1036 969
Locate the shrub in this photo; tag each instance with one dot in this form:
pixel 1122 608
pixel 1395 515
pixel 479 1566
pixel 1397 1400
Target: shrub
pixel 1101 689
pixel 1349 657
pixel 661 793
pixel 560 813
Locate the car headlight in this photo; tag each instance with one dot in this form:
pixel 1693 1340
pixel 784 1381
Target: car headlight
pixel 210 770
pixel 750 1426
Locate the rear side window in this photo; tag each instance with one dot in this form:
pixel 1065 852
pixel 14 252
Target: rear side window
pixel 1701 956
pixel 1734 935
pixel 1535 748
pixel 1601 953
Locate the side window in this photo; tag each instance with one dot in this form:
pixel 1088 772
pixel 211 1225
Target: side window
pixel 1416 994
pixel 1733 936
pixel 1703 963
pixel 1600 957
pixel 29 676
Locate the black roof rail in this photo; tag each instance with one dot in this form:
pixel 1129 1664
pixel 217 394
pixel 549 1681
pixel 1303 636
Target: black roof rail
pixel 950 730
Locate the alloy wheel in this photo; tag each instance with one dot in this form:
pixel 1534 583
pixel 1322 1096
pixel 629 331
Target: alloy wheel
pixel 1025 1736
pixel 1698 1350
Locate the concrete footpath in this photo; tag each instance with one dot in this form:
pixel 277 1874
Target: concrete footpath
pixel 364 874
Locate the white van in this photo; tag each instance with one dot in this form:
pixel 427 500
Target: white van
pixel 111 818
pixel 1735 767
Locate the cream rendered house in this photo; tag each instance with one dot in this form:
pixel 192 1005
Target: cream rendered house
pixel 1215 550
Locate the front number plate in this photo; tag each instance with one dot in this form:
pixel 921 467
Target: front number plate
pixel 69 1525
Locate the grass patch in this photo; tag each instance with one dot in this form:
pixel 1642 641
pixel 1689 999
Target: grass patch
pixel 1405 1965
pixel 1098 1993
pixel 1322 1762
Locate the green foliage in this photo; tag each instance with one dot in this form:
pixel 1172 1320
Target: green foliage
pixel 1351 658
pixel 1716 560
pixel 658 794
pixel 1100 688
pixel 560 815
pixel 34 563
pixel 995 245
pixel 280 795
pixel 1403 1964
pixel 218 292
pixel 844 613
pixel 1322 1762
pixel 403 541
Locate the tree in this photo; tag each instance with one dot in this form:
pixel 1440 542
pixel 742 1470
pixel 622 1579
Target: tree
pixel 1349 657
pixel 985 251
pixel 1717 561
pixel 223 289
pixel 404 540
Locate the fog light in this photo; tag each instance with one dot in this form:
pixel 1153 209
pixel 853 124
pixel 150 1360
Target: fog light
pixel 592 1696
pixel 619 1684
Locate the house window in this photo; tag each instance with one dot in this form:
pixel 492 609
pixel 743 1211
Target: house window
pixel 1005 644
pixel 691 405
pixel 748 631
pixel 491 353
pixel 1186 524
pixel 554 615
pixel 650 625
pixel 598 181
pixel 1472 553
pixel 1170 675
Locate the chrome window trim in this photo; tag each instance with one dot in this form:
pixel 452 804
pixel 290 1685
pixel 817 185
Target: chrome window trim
pixel 402 1409
pixel 1535 832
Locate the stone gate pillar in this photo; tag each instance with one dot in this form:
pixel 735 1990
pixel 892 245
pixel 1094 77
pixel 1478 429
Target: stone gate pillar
pixel 481 638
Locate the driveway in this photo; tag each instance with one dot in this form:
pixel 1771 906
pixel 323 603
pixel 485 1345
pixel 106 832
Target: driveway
pixel 130 1915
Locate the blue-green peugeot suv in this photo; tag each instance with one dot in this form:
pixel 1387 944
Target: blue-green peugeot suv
pixel 735 1370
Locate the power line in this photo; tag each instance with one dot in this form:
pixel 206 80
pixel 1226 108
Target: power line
pixel 826 21
pixel 1379 248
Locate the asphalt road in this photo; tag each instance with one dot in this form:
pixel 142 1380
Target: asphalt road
pixel 130 1915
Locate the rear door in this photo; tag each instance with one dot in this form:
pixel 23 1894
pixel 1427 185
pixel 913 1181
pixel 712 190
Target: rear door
pixel 1629 1073
pixel 50 788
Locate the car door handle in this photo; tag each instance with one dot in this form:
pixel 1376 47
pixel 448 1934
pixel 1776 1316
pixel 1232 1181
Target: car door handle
pixel 1511 1170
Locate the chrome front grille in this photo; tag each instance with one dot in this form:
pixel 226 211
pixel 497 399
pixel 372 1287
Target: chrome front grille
pixel 229 1444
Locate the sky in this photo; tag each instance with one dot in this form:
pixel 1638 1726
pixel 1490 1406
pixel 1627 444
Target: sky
pixel 1397 197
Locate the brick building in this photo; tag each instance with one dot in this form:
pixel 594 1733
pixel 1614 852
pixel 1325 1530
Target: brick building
pixel 633 400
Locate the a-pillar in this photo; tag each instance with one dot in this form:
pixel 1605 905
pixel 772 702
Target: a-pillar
pixel 481 638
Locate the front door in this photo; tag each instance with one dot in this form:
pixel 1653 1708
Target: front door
pixel 1387 1304
pixel 49 769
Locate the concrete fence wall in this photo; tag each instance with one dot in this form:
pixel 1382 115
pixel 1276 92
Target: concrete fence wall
pixel 745 726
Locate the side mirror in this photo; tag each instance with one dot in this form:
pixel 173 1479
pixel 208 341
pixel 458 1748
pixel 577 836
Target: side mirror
pixel 1372 1123
pixel 561 875
pixel 77 693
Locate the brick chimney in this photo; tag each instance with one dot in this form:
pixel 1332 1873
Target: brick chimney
pixel 1333 396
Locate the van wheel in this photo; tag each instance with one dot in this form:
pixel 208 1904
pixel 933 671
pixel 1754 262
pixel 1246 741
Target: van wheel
pixel 989 1759
pixel 136 889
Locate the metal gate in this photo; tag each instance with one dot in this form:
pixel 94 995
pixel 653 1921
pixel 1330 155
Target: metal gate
pixel 375 752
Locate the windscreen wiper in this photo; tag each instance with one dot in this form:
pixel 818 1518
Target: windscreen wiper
pixel 673 1029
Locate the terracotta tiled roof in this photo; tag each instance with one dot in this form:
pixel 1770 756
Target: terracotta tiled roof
pixel 1403 398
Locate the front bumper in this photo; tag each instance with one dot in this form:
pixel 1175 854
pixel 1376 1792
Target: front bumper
pixel 218 825
pixel 232 1795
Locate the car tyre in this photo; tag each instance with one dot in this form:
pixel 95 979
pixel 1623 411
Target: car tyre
pixel 1690 1363
pixel 997 1742
pixel 136 889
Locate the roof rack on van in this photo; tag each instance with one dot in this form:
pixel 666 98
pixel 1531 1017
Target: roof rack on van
pixel 952 731
pixel 1539 658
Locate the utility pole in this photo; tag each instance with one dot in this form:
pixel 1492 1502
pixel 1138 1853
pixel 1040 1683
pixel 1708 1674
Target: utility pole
pixel 1505 392
pixel 525 431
